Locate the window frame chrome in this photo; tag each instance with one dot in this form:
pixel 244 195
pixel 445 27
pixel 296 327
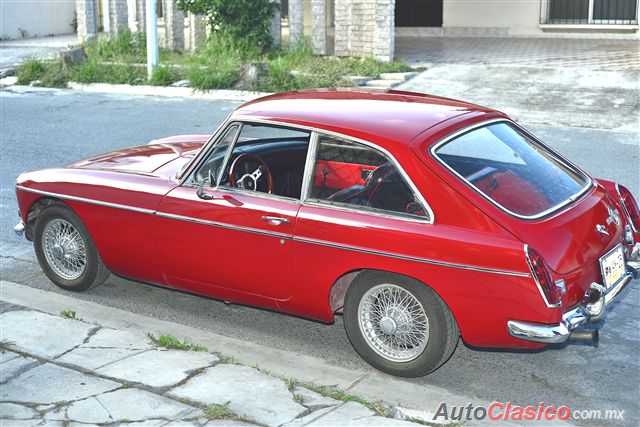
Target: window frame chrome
pixel 588 184
pixel 308 169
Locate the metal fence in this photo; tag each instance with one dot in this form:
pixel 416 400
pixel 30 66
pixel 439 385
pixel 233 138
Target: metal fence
pixel 592 12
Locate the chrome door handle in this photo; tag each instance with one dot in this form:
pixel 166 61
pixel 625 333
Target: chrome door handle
pixel 275 220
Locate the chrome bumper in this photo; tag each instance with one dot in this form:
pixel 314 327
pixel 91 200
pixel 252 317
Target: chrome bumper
pixel 591 311
pixel 19 228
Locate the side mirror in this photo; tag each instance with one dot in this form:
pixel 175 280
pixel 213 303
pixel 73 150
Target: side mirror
pixel 200 192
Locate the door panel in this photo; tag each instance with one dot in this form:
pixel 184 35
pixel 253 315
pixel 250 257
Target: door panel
pixel 209 246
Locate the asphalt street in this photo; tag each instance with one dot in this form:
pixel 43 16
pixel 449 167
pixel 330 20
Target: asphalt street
pixel 44 128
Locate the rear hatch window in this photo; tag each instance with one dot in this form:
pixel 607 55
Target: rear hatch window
pixel 511 170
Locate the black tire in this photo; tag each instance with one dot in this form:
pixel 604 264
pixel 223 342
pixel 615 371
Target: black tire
pixel 443 329
pixel 95 272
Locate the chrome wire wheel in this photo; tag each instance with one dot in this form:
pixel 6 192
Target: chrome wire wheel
pixel 393 322
pixel 64 248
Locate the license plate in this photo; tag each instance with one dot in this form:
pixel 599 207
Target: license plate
pixel 612 266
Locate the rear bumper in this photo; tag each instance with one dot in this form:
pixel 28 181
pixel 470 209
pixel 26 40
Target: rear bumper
pixel 592 311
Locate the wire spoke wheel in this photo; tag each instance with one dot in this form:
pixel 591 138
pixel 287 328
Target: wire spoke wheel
pixel 64 248
pixel 393 322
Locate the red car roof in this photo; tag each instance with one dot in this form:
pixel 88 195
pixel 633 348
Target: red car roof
pixel 369 114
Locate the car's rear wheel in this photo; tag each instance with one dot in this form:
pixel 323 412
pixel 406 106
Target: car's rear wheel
pixel 65 250
pixel 399 325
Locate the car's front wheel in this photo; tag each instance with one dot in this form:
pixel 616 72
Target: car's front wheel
pixel 398 325
pixel 65 250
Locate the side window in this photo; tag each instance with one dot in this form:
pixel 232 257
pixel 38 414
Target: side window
pixel 355 175
pixel 212 167
pixel 267 159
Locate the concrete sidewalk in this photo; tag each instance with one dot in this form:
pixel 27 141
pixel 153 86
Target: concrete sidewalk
pixel 61 371
pixel 13 52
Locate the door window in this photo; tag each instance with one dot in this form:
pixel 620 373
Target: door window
pixel 354 175
pixel 264 159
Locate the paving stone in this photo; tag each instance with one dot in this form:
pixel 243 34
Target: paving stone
pixel 306 419
pixel 6 355
pixel 105 347
pixel 47 335
pixel 249 392
pixel 50 383
pixel 13 411
pixel 14 366
pixel 355 414
pixel 35 422
pixel 95 358
pixel 128 404
pixel 158 368
pixel 113 338
pixel 342 414
pixel 228 423
pixel 313 400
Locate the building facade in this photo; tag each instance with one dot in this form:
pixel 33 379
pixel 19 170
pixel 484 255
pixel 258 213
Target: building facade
pixel 369 28
pixel 36 18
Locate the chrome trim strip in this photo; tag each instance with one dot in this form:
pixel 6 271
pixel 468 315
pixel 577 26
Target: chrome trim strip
pixel 309 164
pixel 535 279
pixel 624 207
pixel 363 210
pixel 407 257
pixel 89 201
pixel 186 172
pixel 562 160
pixel 224 225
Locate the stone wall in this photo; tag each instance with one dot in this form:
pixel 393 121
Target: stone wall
pixel 365 28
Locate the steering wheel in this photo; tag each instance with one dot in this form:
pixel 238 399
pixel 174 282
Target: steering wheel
pixel 249 179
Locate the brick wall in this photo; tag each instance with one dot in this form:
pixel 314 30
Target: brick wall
pixel 364 28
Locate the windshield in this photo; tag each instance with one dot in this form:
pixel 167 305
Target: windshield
pixel 511 169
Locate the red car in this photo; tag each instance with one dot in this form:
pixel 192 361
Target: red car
pixel 421 219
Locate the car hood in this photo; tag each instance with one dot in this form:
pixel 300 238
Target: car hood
pixel 146 158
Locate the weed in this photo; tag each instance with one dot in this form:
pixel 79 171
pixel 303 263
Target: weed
pixel 228 359
pixel 163 76
pixel 258 368
pixel 69 314
pixel 377 406
pixel 32 69
pixel 5 37
pixel 290 382
pixel 167 341
pixel 219 412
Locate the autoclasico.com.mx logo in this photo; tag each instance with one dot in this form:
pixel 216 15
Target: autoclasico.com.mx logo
pixel 498 411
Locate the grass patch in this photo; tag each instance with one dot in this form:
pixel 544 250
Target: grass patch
pixel 217 64
pixel 69 314
pixel 222 412
pixel 378 406
pixel 163 76
pixel 167 341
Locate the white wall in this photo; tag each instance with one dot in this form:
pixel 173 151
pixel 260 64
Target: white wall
pixel 519 16
pixel 36 17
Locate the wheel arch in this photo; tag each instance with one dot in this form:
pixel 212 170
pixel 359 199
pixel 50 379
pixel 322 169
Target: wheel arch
pixel 342 284
pixel 34 210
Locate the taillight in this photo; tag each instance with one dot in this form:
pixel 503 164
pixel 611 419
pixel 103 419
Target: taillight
pixel 630 206
pixel 542 275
